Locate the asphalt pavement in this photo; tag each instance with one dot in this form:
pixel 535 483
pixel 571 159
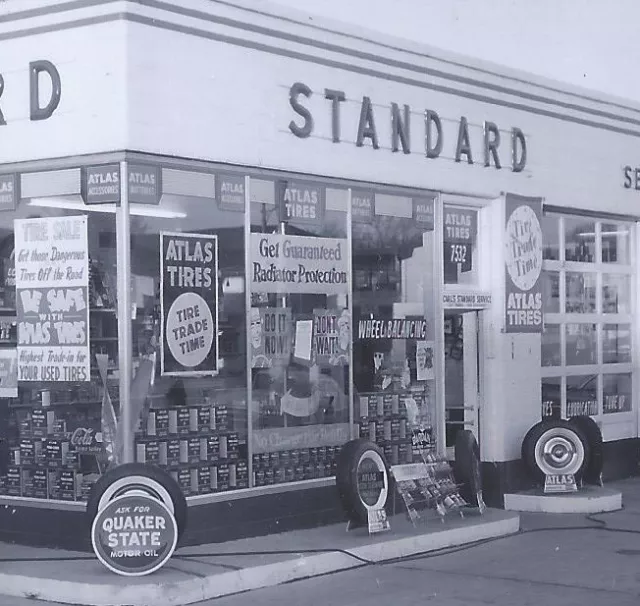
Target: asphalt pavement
pixel 556 560
pixel 568 566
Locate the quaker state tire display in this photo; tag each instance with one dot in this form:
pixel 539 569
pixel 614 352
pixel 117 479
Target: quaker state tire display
pixel 138 477
pixel 593 471
pixel 555 447
pixel 466 468
pixel 362 479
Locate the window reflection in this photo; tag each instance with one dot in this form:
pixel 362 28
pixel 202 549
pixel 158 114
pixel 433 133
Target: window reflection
pixel 582 344
pixel 550 237
pixel 616 343
pixel 616 245
pixel 551 354
pixel 580 240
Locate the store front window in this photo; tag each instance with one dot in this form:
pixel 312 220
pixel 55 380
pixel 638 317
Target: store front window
pixel 587 338
pixel 58 347
pixel 394 372
pixel 189 339
pixel 300 321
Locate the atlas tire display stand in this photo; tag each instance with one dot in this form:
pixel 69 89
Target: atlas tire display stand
pixel 565 459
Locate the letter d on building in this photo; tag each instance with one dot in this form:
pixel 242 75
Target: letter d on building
pixel 35 69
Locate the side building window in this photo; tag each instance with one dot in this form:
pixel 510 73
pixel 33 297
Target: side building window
pixel 589 308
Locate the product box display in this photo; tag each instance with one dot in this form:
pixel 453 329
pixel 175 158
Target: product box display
pixel 162 423
pixel 222 419
pixel 14 481
pixel 39 423
pixel 193 450
pixel 173 453
pixel 64 485
pixel 56 453
pixel 213 448
pixel 183 421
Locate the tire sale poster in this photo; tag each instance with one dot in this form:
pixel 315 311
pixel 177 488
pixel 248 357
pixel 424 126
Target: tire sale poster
pixel 189 304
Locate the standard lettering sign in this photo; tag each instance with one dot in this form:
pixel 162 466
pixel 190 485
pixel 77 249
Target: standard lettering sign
pixel 450 135
pixel 52 283
pixel 134 535
pixel 523 264
pixel 298 264
pixel 189 304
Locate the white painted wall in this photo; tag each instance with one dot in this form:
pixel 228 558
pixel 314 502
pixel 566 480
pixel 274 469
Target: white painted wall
pixel 91 116
pixel 195 97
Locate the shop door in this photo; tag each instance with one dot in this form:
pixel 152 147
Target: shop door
pixel 461 385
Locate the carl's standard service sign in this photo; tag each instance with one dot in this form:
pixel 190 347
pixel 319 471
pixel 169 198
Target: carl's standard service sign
pixel 134 535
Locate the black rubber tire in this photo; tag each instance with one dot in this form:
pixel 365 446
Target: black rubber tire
pixel 537 431
pixel 466 467
pixel 593 472
pixel 347 478
pixel 160 476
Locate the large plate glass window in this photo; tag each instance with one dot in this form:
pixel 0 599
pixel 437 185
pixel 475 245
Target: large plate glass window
pixel 300 329
pixel 394 342
pixel 589 318
pixel 58 347
pixel 189 389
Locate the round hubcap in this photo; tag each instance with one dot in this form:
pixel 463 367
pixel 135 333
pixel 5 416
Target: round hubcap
pixel 559 450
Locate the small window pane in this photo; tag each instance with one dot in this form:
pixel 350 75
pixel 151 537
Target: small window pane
pixel 616 244
pixel 616 393
pixel 581 293
pixel 582 344
pixel 551 397
pixel 550 238
pixel 551 292
pixel 616 343
pixel 616 294
pixel 551 354
pixel 579 240
pixel 582 395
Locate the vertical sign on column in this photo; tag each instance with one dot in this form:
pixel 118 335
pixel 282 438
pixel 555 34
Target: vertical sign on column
pixel 52 282
pixel 523 264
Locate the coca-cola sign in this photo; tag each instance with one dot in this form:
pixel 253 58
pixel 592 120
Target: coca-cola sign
pixel 85 440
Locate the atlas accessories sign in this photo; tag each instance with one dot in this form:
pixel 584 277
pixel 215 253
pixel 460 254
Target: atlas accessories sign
pixel 189 304
pixel 134 534
pixel 523 264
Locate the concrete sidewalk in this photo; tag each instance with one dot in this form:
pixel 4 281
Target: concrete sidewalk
pixel 198 573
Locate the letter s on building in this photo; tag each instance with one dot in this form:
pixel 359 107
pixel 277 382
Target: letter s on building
pixel 306 129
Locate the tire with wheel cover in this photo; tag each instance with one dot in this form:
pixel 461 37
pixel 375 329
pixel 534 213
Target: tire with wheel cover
pixel 466 468
pixel 593 471
pixel 139 477
pixel 555 447
pixel 357 457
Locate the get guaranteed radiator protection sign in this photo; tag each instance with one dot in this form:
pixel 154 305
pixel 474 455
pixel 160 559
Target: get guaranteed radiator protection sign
pixel 298 264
